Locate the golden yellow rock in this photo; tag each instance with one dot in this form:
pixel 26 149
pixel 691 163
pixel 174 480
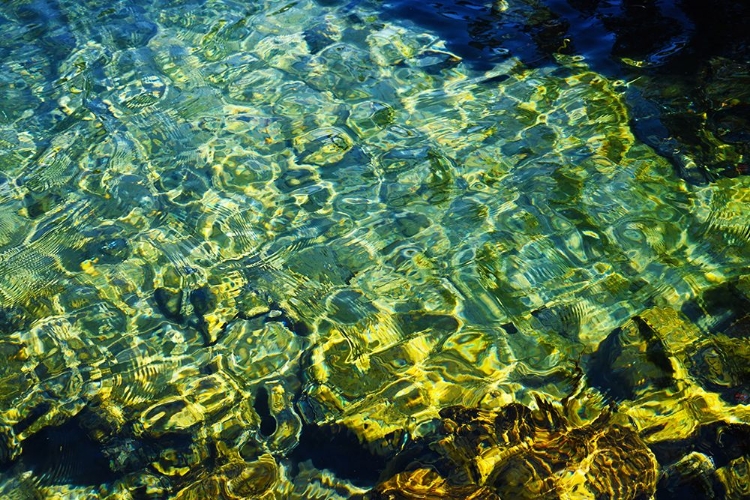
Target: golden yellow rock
pixel 520 452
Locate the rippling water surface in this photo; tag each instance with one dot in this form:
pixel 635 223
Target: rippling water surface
pixel 252 248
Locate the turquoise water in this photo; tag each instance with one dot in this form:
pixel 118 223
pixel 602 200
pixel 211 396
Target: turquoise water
pixel 224 226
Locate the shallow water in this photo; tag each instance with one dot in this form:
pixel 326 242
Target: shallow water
pixel 227 226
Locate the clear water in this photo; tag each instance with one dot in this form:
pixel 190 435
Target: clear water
pixel 222 223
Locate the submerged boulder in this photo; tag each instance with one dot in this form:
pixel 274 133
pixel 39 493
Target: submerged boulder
pixel 522 452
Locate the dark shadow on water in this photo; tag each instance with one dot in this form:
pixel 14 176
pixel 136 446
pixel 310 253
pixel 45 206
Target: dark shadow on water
pixel 686 62
pixel 338 449
pixel 66 455
pixel 472 31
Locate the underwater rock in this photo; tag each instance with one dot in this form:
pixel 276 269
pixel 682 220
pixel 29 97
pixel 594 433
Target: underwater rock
pixel 112 251
pixel 38 204
pixel 734 478
pixel 630 361
pixel 204 302
pixel 706 112
pixel 10 448
pixel 322 146
pixel 12 319
pixel 429 485
pixel 235 480
pixel 723 365
pixel 321 35
pixel 133 191
pixel 169 303
pixel 671 376
pixel 717 362
pixel 523 452
pixel 711 463
pixel 691 475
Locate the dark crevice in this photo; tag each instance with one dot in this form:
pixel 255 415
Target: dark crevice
pixel 263 409
pixel 339 450
pixel 65 454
